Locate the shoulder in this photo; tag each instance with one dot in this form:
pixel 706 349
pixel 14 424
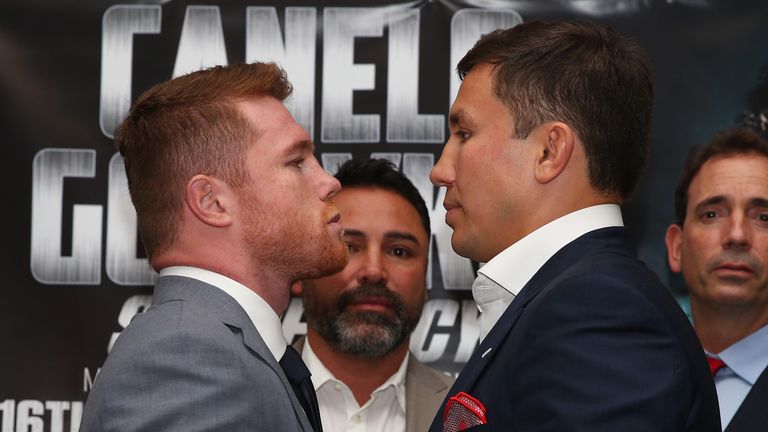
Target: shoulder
pixel 608 275
pixel 419 373
pixel 179 353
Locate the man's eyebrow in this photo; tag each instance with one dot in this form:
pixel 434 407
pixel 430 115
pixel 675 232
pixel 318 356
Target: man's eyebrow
pixel 353 233
pixel 400 235
pixel 389 235
pixel 717 199
pixel 759 202
pixel 300 146
pixel 457 117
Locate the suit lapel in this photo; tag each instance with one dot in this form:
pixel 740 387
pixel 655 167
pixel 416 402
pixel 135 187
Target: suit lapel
pixel 420 387
pixel 752 414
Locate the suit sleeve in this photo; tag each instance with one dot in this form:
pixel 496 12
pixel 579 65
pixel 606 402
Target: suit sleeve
pixel 597 356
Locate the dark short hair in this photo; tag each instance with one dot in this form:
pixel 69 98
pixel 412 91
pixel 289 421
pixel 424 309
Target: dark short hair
pixel 736 141
pixel 383 174
pixel 584 74
pixel 186 126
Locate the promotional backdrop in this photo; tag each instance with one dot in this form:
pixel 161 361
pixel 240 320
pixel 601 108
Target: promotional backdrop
pixel 372 79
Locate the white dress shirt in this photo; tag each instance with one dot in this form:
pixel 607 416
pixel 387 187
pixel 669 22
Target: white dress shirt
pixel 264 318
pixel 516 265
pixel 339 410
pixel 744 362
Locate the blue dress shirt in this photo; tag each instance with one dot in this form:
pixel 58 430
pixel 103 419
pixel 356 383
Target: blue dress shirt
pixel 745 361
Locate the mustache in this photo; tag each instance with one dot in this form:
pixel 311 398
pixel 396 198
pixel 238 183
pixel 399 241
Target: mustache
pixel 735 257
pixel 370 290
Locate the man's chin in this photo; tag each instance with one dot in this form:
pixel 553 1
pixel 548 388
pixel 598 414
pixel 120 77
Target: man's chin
pixel 460 247
pixel 332 261
pixel 338 257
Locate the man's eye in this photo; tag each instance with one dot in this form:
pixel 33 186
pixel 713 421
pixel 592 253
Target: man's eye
pixel 352 248
pixel 400 252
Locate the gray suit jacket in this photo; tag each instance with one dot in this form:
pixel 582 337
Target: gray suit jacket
pixel 192 362
pixel 425 389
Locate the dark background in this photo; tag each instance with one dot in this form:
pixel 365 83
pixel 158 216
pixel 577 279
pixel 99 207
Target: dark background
pixel 708 58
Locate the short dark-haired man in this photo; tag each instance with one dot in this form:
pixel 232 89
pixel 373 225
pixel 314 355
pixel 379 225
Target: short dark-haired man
pixel 359 320
pixel 720 244
pixel 233 208
pixel 549 133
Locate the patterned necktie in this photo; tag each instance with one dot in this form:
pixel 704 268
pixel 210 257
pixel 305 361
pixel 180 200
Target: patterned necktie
pixel 299 377
pixel 492 300
pixel 715 364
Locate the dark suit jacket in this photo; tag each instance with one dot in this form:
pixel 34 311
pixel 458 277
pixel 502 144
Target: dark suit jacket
pixel 192 362
pixel 752 414
pixel 592 343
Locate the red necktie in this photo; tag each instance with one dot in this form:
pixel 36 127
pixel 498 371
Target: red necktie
pixel 715 364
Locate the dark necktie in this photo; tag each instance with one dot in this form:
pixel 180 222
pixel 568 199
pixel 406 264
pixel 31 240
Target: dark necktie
pixel 298 375
pixel 715 364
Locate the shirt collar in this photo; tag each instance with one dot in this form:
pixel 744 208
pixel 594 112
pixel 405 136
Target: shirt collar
pixel 516 265
pixel 748 357
pixel 321 375
pixel 264 318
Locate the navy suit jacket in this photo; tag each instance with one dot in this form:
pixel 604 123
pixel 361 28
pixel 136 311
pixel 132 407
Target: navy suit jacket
pixel 593 342
pixel 752 414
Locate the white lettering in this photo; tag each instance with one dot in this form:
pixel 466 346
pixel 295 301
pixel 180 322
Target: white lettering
pixel 404 123
pixel 88 379
pixel 8 410
pixel 119 24
pixel 49 168
pixel 467 26
pixel 263 42
pixel 202 41
pixel 122 266
pixel 57 409
pixel 446 311
pixel 27 413
pixel 341 76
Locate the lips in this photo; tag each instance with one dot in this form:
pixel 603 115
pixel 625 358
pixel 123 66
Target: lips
pixel 450 205
pixel 734 267
pixel 451 210
pixel 373 301
pixel 375 304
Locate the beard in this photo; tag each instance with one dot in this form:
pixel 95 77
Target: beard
pixel 292 242
pixel 361 333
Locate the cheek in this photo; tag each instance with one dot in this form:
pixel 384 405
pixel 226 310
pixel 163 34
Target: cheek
pixel 698 247
pixel 410 284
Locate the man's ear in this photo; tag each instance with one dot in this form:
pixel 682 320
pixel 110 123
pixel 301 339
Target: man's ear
pixel 556 143
pixel 210 200
pixel 674 240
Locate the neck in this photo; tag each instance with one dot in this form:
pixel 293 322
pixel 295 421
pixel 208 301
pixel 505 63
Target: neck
pixel 719 327
pixel 271 286
pixel 362 375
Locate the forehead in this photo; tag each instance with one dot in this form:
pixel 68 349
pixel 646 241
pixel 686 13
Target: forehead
pixel 375 211
pixel 737 177
pixel 271 119
pixel 476 95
